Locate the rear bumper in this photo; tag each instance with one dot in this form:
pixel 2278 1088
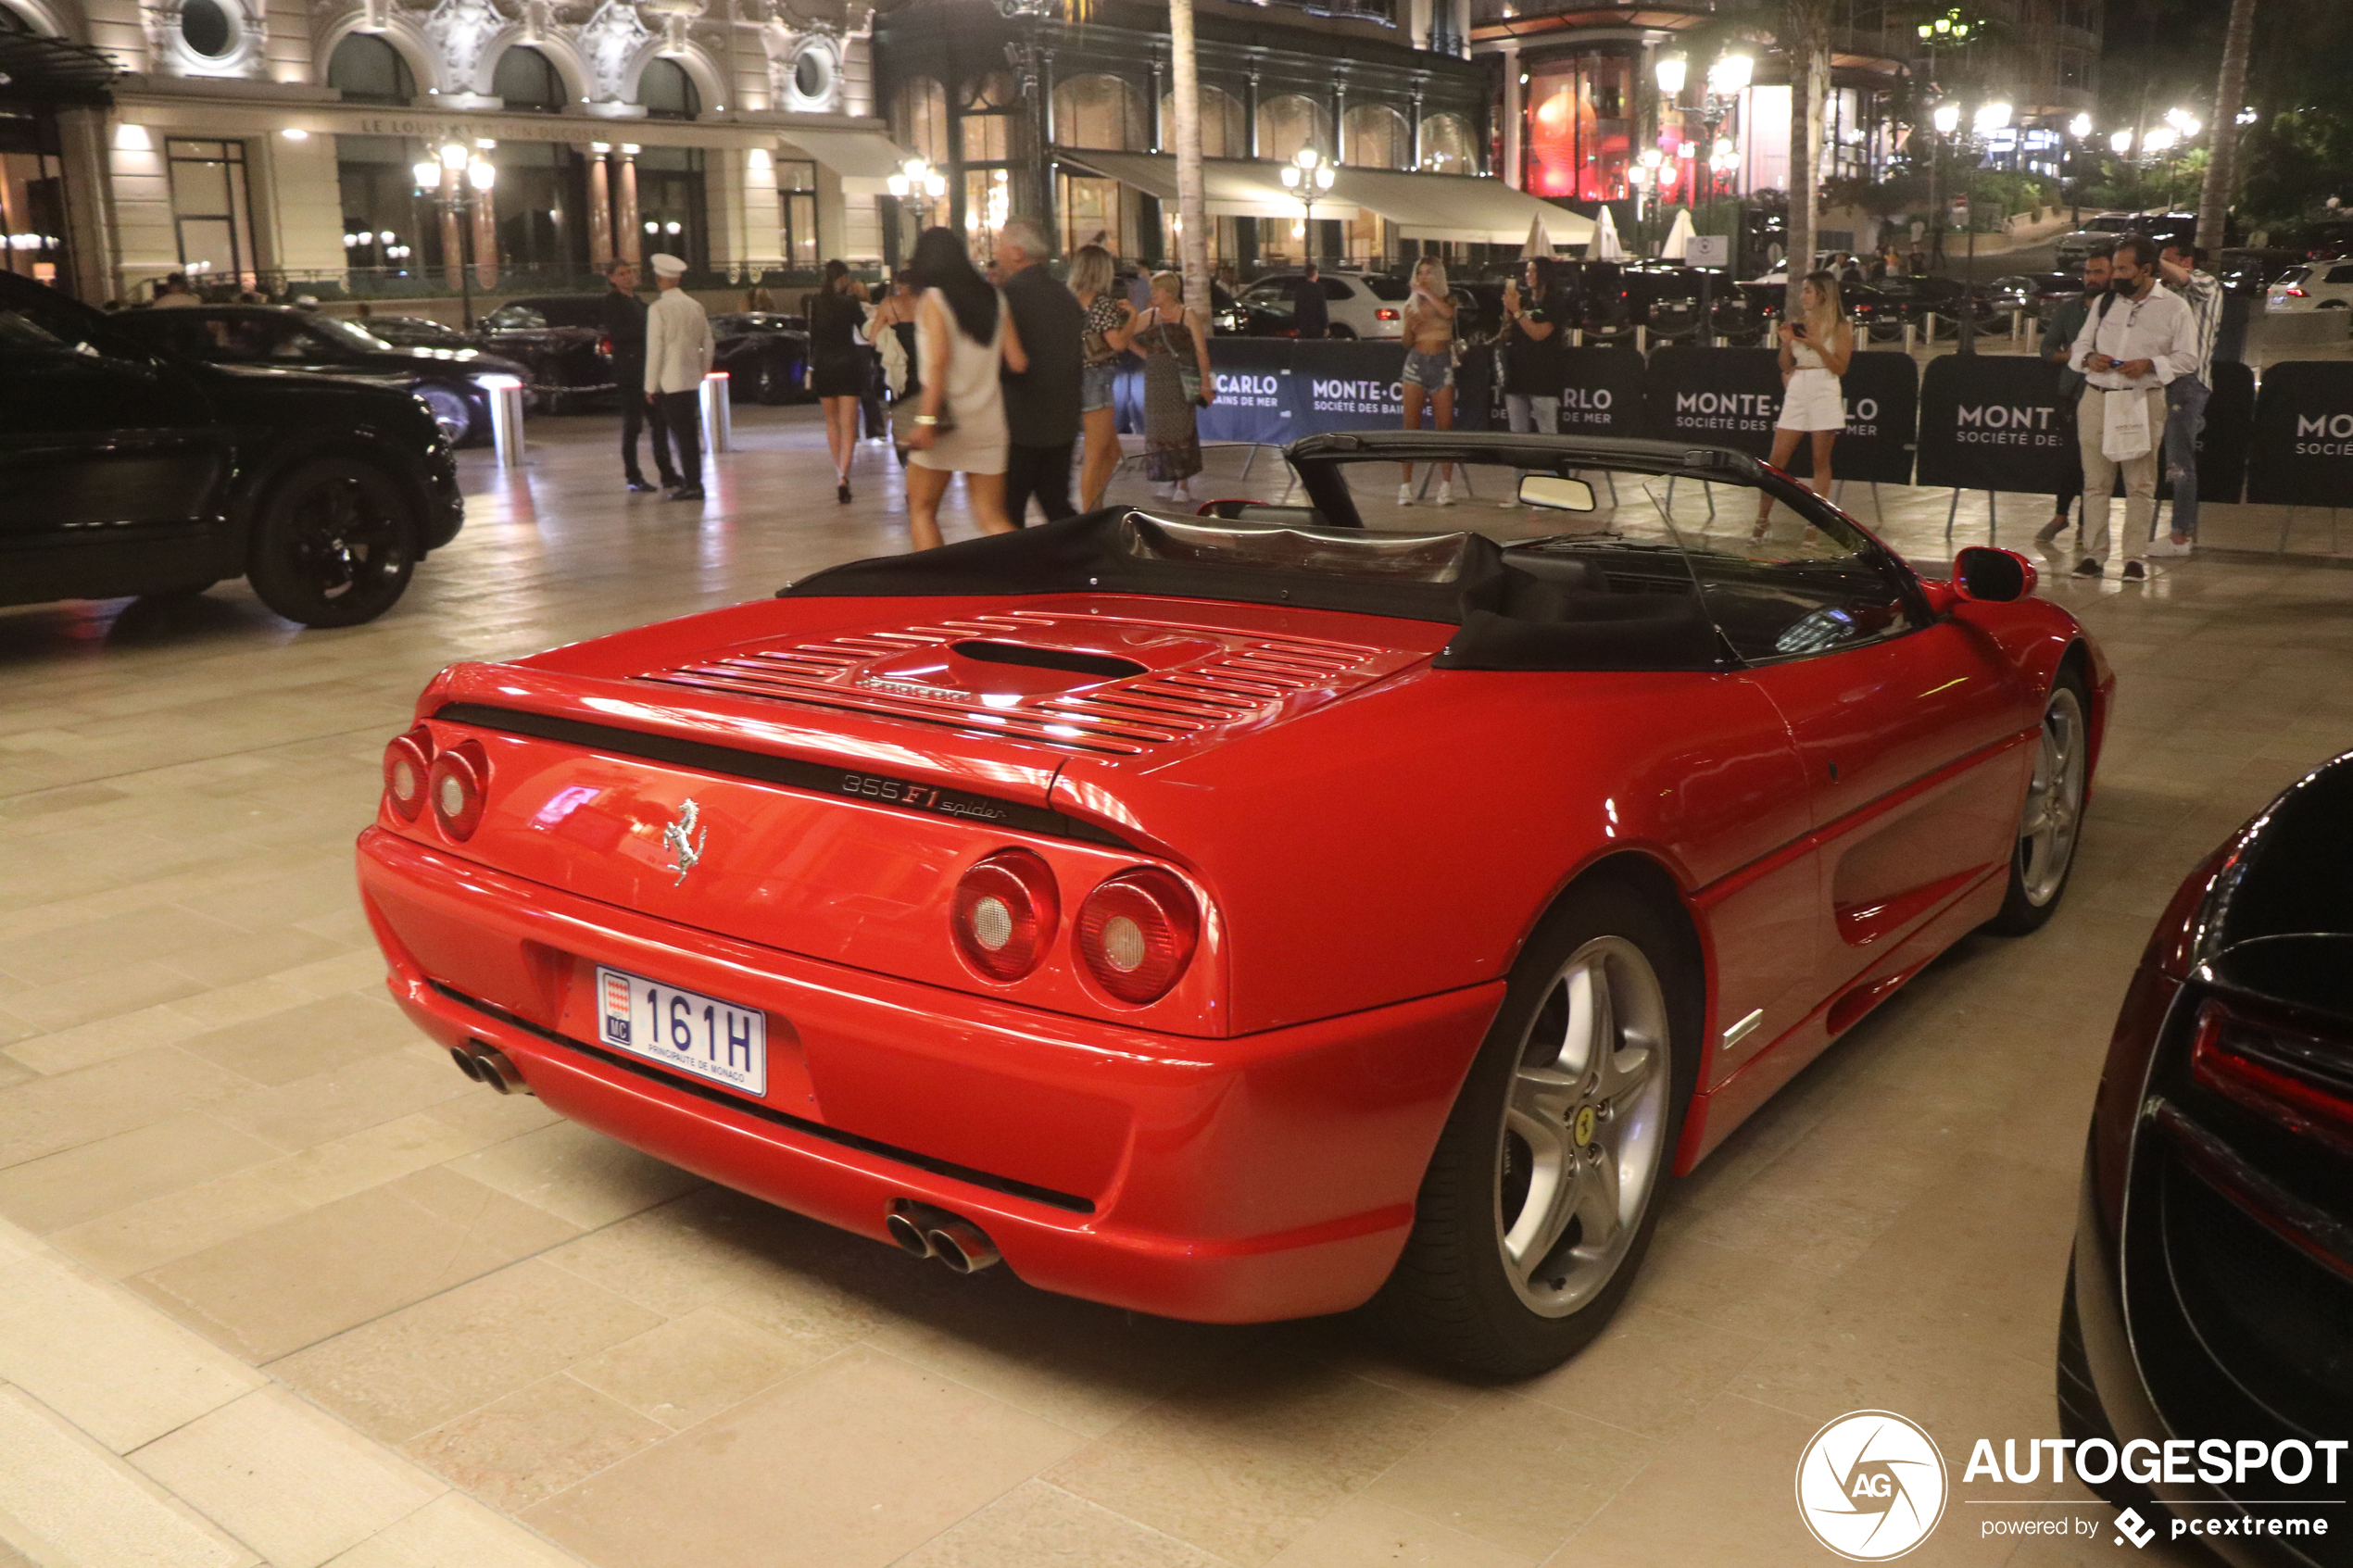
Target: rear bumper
pixel 1240 1180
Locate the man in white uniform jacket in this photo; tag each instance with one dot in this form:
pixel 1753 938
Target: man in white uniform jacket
pixel 677 353
pixel 2134 342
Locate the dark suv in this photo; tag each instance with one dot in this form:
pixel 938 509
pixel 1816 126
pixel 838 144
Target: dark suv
pixel 127 469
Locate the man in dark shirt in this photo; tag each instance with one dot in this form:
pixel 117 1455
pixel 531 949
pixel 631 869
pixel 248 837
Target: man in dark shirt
pixel 1310 309
pixel 1535 331
pixel 624 323
pixel 1041 403
pixel 2058 348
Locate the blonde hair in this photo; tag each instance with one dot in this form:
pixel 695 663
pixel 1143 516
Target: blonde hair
pixel 1437 271
pixel 1090 270
pixel 1171 283
pixel 1832 309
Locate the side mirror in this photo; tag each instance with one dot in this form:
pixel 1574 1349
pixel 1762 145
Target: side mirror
pixel 1994 576
pixel 1555 492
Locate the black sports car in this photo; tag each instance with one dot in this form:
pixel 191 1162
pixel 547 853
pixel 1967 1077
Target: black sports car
pixel 127 469
pixel 765 354
pixel 2210 1301
pixel 415 332
pixel 285 339
pixel 559 341
pixel 2037 293
pixel 1883 307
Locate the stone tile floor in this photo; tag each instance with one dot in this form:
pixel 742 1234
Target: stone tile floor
pixel 277 1285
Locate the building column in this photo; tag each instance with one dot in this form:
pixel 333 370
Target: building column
pixel 600 248
pixel 763 215
pixel 82 141
pixel 1160 96
pixel 1250 117
pixel 486 239
pixel 1339 119
pixel 453 238
pixel 1515 115
pixel 1414 131
pixel 624 218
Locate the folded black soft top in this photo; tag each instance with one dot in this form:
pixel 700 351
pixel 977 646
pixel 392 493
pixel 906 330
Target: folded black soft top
pixel 1511 617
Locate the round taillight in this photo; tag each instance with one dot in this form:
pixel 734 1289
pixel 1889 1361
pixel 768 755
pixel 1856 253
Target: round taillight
pixel 456 786
pixel 1004 913
pixel 1137 934
pixel 408 762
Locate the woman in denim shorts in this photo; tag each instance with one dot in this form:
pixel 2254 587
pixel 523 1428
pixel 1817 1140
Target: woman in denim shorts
pixel 1104 340
pixel 1429 331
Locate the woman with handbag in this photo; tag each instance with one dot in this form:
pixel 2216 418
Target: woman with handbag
pixel 963 334
pixel 1174 341
pixel 1093 280
pixel 1431 351
pixel 894 320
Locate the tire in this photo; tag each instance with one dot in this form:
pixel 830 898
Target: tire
pixel 1533 1120
pixel 333 543
pixel 1341 334
pixel 450 411
pixel 2043 857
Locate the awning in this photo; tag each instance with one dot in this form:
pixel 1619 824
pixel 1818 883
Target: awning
pixel 1231 187
pixel 1457 207
pixel 865 159
pixel 39 70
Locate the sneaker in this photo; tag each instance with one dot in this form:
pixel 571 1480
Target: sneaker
pixel 2135 572
pixel 1445 492
pixel 638 482
pixel 2166 546
pixel 2088 569
pixel 1406 494
pixel 2051 531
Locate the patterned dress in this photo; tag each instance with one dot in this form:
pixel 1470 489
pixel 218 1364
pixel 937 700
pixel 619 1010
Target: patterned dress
pixel 1172 441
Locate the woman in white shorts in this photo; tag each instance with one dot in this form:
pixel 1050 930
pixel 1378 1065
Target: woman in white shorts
pixel 1815 350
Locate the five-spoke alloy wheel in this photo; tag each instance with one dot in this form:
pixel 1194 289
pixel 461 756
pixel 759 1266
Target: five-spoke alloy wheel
pixel 333 545
pixel 2051 820
pixel 1545 1189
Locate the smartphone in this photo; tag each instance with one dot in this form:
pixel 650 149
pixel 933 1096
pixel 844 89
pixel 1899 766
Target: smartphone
pixel 1797 329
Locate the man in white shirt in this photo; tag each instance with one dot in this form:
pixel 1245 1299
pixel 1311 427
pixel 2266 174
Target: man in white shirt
pixel 2181 268
pixel 2132 343
pixel 677 353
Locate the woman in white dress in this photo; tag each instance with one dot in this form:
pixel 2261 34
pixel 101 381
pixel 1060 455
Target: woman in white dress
pixel 963 334
pixel 1814 355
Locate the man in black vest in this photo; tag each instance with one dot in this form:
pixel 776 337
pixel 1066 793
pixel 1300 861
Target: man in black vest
pixel 1041 403
pixel 626 329
pixel 1310 309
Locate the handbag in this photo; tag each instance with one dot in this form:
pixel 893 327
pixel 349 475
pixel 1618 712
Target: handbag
pixel 894 361
pixel 1188 368
pixel 2124 425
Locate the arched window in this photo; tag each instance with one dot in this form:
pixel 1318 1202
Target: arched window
pixel 1224 132
pixel 668 92
pixel 919 117
pixel 526 80
pixel 1374 136
pixel 1288 123
pixel 1446 146
pixel 370 70
pixel 11 22
pixel 1101 112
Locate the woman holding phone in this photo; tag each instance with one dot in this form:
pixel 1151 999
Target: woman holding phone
pixel 1815 350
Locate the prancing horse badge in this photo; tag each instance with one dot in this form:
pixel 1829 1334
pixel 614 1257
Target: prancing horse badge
pixel 684 839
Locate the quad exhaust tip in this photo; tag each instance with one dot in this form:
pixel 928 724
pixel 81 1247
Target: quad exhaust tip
pixel 490 1067
pixel 923 1230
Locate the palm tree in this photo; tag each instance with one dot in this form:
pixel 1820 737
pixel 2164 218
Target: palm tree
pixel 2214 200
pixel 1192 217
pixel 1805 38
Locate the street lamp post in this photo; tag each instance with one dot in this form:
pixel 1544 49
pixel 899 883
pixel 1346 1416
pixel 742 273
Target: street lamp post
pixel 2079 131
pixel 454 184
pixel 1309 175
pixel 1946 120
pixel 918 179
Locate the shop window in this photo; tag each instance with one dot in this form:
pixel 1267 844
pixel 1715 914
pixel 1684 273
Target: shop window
pixel 671 205
pixel 525 79
pixel 211 210
pixel 797 200
pixel 1290 122
pixel 1580 138
pixel 1447 147
pixel 205 27
pixel 541 201
pixel 1100 111
pixel 667 92
pixel 1095 211
pixel 919 117
pixel 369 70
pixel 380 212
pixel 1224 128
pixel 1374 136
pixel 988 202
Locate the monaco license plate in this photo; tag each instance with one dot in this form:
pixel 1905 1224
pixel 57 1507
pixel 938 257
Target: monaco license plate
pixel 684 1030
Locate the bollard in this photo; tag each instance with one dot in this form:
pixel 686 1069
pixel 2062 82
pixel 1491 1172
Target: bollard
pixel 1576 337
pixel 1770 337
pixel 505 417
pixel 1929 329
pixel 1641 338
pixel 717 429
pixel 1911 337
pixel 2017 323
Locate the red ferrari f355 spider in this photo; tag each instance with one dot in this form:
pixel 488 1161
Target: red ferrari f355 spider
pixel 1246 917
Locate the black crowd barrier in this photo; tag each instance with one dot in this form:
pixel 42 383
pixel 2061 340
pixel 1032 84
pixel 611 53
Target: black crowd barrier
pixel 1971 422
pixel 1994 422
pixel 2300 452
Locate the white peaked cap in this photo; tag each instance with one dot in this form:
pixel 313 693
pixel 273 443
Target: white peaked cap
pixel 666 265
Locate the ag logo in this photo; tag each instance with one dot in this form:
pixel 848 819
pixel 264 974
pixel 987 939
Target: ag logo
pixel 1870 1485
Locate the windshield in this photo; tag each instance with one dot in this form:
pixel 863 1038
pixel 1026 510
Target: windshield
pixel 2112 225
pixel 350 335
pixel 1386 288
